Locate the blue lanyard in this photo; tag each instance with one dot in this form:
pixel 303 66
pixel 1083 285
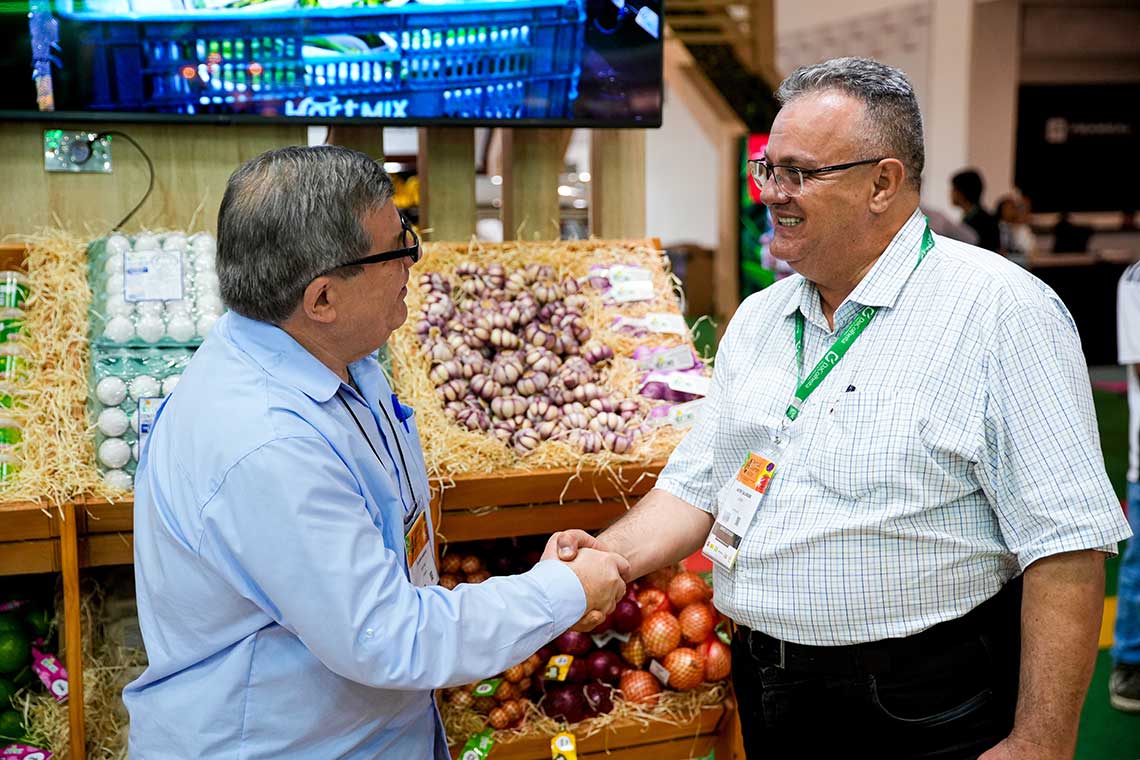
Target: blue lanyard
pixel 388 449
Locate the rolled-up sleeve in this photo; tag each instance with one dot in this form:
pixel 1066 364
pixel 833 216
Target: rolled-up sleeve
pixel 1041 466
pixel 305 549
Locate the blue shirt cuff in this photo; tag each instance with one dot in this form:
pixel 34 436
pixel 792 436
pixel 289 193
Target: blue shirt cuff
pixel 564 591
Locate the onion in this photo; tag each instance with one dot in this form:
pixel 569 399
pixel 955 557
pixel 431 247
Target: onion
pixel 688 588
pixel 626 615
pixel 605 666
pixel 573 643
pixel 566 703
pixel 640 687
pixel 686 668
pixel 599 696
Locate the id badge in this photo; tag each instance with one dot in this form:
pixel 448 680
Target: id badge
pixel 419 548
pixel 739 500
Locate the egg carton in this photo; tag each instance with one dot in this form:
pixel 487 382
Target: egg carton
pixel 180 322
pixel 120 379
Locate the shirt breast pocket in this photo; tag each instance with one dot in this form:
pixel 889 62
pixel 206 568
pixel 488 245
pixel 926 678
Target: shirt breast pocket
pixel 869 444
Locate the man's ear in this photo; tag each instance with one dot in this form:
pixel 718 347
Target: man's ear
pixel 889 176
pixel 319 301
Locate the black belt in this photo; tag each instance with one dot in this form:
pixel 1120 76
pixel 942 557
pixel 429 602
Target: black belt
pixel 997 619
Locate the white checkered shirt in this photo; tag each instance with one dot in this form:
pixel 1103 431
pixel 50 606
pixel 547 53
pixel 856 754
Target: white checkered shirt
pixel 951 447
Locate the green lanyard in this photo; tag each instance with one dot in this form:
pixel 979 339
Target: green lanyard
pixel 823 368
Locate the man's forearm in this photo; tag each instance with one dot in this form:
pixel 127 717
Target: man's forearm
pixel 1060 625
pixel 660 530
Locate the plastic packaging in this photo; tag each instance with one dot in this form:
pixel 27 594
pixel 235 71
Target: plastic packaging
pixel 13 289
pixel 121 379
pixel 170 298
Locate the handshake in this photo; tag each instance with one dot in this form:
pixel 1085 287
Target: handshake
pixel 603 574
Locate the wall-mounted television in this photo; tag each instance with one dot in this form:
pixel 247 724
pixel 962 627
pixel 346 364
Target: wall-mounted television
pixel 390 62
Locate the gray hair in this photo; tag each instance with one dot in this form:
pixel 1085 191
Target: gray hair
pixel 894 122
pixel 289 216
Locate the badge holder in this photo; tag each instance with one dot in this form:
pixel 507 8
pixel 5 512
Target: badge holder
pixel 739 500
pixel 418 548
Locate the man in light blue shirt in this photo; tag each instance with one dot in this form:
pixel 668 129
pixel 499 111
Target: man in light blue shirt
pixel 281 614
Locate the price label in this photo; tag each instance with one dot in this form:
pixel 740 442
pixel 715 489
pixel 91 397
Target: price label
pixel 666 323
pixel 636 290
pixel 659 670
pixel 478 746
pixel 678 357
pixel 558 667
pixel 148 410
pixel 487 688
pixel 698 385
pixel 564 746
pixel 152 276
pixel 624 273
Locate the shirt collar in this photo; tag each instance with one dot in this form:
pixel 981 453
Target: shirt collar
pixel 279 354
pixel 880 286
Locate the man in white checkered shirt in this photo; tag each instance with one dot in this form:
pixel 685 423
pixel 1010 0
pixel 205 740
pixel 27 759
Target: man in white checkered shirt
pixel 924 576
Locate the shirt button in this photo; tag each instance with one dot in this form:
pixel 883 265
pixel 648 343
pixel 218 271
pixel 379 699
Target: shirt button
pixel 368 632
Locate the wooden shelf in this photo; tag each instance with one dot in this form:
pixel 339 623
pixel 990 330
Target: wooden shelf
pixel 633 741
pixel 30 539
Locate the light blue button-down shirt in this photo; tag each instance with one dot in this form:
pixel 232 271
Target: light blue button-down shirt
pixel 273 592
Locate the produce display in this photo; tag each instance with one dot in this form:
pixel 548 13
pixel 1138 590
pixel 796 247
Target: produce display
pixel 154 289
pixel 14 292
pixel 27 636
pixel 663 640
pixel 545 355
pixel 126 387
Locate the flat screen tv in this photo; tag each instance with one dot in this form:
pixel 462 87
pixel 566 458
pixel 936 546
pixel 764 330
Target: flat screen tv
pixel 390 62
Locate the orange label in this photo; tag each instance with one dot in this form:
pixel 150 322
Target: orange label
pixel 756 472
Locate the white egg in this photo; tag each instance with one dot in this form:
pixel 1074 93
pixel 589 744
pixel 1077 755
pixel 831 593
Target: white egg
pixel 169 384
pixel 113 285
pixel 210 304
pixel 135 450
pixel 149 308
pixel 180 306
pixel 144 386
pixel 111 391
pixel 204 265
pixel 206 323
pixel 115 306
pixel 119 479
pixel 175 241
pixel 113 263
pixel 117 244
pixel 150 328
pixel 146 242
pixel 114 453
pixel 204 243
pixel 180 327
pixel 135 420
pixel 113 422
pixel 119 329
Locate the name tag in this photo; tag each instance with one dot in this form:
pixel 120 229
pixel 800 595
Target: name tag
pixel 419 548
pixel 738 500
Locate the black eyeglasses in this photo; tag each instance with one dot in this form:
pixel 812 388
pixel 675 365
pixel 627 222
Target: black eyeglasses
pixel 410 250
pixel 790 179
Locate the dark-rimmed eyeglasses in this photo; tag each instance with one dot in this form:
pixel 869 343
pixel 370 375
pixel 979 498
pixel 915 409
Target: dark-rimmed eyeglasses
pixel 790 179
pixel 410 248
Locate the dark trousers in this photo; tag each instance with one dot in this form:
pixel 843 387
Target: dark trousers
pixel 947 693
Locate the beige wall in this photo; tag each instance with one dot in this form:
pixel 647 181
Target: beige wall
pixel 994 77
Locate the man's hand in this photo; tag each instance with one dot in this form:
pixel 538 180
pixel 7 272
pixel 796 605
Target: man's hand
pixel 603 576
pixel 1013 748
pixel 564 545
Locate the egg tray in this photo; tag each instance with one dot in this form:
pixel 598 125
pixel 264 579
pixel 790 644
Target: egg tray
pixel 119 378
pixel 178 324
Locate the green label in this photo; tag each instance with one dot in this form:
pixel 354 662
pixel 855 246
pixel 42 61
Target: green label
pixel 10 327
pixel 478 746
pixel 13 294
pixel 9 436
pixel 487 688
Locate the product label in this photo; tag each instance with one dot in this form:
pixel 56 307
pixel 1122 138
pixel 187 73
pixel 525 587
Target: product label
pixel 669 359
pixel 601 639
pixel 666 323
pixel 13 294
pixel 152 276
pixel 698 385
pixel 558 667
pixel 15 604
pixel 487 688
pixel 11 328
pixel 635 290
pixel 478 746
pixel 659 671
pixel 24 752
pixel 564 746
pixel 51 673
pixel 148 409
pixel 625 273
